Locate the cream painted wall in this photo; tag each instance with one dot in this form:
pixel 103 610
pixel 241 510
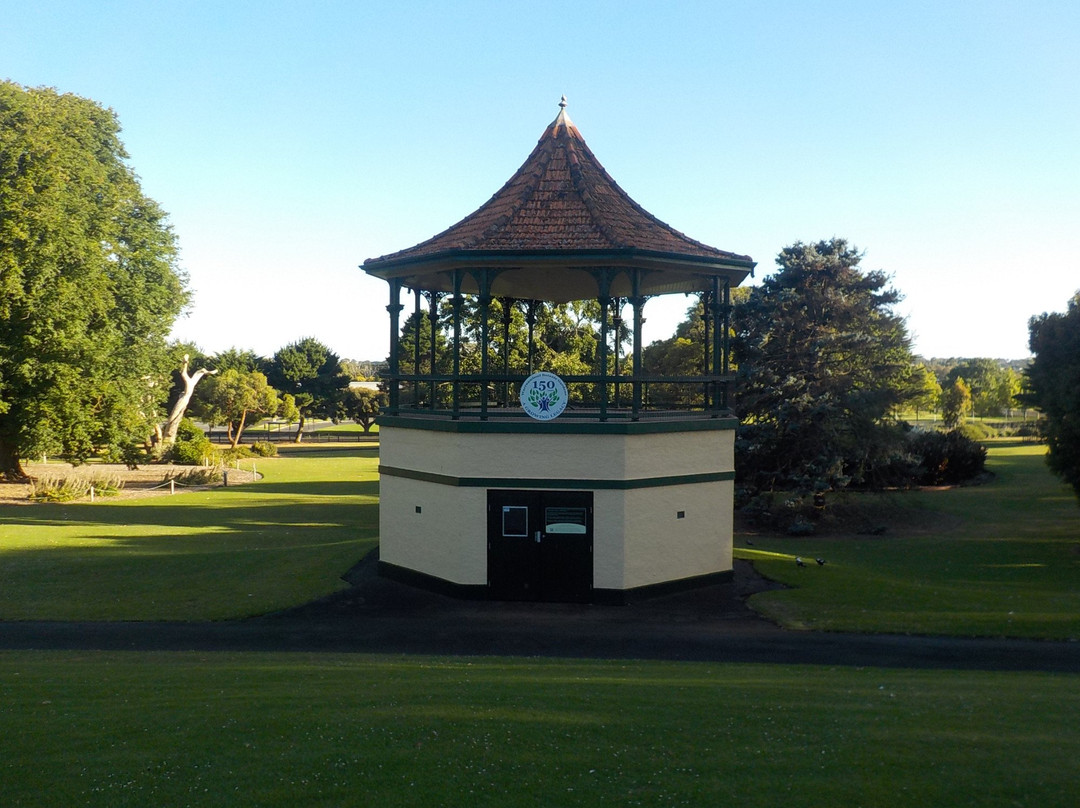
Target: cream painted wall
pixel 661 547
pixel 558 456
pixel 609 525
pixel 447 539
pixel 674 453
pixel 638 539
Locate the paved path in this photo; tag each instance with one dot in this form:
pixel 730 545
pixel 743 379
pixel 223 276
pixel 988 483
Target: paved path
pixel 380 616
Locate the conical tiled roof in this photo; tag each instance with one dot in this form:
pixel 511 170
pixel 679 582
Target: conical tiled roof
pixel 561 212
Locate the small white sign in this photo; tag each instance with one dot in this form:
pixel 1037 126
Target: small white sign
pixel 543 396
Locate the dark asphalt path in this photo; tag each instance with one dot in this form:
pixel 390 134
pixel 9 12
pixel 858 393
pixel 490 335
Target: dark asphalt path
pixel 376 615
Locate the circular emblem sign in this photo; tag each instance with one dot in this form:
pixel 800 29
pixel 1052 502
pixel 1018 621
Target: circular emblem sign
pixel 543 396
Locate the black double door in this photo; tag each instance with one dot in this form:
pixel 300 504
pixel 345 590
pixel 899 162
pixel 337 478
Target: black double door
pixel 540 545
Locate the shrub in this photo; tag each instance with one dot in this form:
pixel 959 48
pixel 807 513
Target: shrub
pixel 66 489
pixel 205 475
pixel 191 454
pixel 1027 431
pixel 192 447
pixel 947 458
pixel 128 454
pixel 190 431
pixel 231 455
pixel 977 430
pixel 264 448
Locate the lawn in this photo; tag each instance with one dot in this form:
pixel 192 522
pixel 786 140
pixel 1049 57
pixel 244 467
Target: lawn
pixel 207 555
pixel 211 729
pixel 120 729
pixel 999 559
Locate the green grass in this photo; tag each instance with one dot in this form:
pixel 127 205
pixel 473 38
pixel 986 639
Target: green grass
pixel 221 729
pixel 114 729
pixel 1000 559
pixel 348 429
pixel 215 554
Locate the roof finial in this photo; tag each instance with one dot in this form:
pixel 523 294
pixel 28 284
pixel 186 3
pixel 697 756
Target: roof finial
pixel 562 103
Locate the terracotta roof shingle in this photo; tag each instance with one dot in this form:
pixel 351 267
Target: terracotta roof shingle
pixel 561 202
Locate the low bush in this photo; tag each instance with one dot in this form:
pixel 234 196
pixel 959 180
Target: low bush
pixel 205 475
pixel 66 489
pixel 129 454
pixel 192 447
pixel 977 430
pixel 230 455
pixel 264 448
pixel 947 458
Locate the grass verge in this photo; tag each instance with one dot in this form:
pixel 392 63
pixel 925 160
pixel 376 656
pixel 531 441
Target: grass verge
pixel 1000 559
pixel 114 729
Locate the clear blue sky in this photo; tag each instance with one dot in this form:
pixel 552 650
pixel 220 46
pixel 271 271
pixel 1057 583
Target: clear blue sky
pixel 290 141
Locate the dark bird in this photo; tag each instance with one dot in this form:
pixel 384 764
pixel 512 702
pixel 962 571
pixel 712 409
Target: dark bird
pixel 820 562
pixel 799 562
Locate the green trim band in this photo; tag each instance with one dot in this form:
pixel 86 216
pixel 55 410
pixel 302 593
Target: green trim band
pixel 565 485
pixel 558 426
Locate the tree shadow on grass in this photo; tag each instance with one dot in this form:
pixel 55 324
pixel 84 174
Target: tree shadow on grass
pixel 190 557
pixel 241 571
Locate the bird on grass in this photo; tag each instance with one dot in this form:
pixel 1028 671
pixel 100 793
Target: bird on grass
pixel 799 562
pixel 820 562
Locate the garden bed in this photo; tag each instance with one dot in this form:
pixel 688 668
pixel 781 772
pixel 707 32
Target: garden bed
pixel 147 480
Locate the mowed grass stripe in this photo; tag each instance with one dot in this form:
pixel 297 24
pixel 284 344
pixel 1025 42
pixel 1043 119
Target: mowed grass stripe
pixel 114 729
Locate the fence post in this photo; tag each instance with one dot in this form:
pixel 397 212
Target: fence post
pixel 172 486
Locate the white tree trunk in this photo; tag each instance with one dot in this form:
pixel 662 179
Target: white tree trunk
pixel 176 415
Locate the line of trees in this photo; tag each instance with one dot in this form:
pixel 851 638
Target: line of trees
pixel 304 380
pixel 90 287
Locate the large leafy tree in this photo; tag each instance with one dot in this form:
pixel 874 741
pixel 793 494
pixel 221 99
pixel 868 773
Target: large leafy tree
pixel 89 285
pixel 1053 380
pixel 312 374
pixel 823 365
pixel 234 397
pixel 363 405
pixel 682 354
pixel 992 385
pixel 955 403
pixel 927 389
